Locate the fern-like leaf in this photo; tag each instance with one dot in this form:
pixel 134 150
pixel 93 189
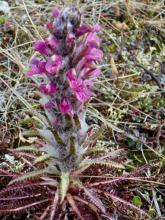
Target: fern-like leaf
pixel 94 150
pixel 23 207
pixel 74 206
pixel 125 207
pixel 42 158
pixel 30 148
pixel 54 205
pixel 30 175
pixel 111 164
pixel 4 172
pixel 94 199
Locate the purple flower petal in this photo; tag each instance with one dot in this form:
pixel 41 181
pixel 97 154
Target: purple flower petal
pixel 52 42
pixel 65 107
pixel 41 47
pixel 84 95
pixel 71 75
pixel 79 87
pixel 54 64
pixel 89 71
pixel 36 67
pixel 95 72
pixel 93 54
pixel 48 89
pixel 49 26
pixel 80 64
pixel 96 28
pixel 49 105
pixel 70 39
pixel 85 28
pixel 55 12
pixel 55 122
pixel 84 72
pixel 92 40
pixel 88 82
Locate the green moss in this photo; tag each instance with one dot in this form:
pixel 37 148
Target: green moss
pixel 26 122
pixel 137 201
pixel 2 20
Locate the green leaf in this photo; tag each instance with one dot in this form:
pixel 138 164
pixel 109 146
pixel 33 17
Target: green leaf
pixel 2 20
pixel 163 161
pixel 137 201
pixel 26 122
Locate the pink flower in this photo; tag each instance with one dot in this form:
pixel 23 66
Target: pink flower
pixel 49 26
pixel 96 72
pixel 55 122
pixel 80 64
pixel 84 28
pixel 70 39
pixel 65 107
pixel 88 82
pixel 37 67
pixel 79 87
pixel 93 54
pixel 49 105
pixel 42 47
pixel 52 42
pixel 55 12
pixel 96 28
pixel 54 64
pixel 48 89
pixel 71 75
pixel 81 92
pixel 92 40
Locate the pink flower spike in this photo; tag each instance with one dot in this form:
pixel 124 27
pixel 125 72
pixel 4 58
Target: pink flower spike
pixel 93 54
pixel 54 64
pixel 65 107
pixel 41 47
pixel 55 12
pixel 48 89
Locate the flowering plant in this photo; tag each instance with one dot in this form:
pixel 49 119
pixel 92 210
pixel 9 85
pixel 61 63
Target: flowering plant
pixel 66 175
